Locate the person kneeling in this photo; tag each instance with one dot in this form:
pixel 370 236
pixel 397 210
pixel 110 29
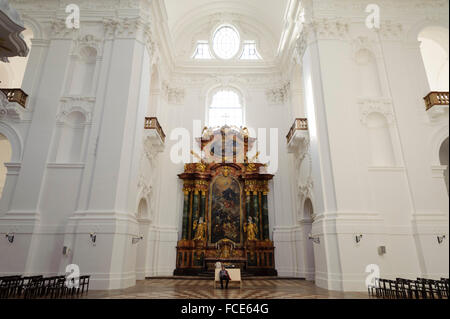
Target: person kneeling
pixel 224 276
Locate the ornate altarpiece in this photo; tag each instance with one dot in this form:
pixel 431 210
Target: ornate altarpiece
pixel 225 214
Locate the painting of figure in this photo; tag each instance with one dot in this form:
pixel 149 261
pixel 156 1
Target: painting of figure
pixel 225 210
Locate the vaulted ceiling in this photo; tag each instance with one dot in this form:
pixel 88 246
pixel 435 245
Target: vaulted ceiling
pixel 191 20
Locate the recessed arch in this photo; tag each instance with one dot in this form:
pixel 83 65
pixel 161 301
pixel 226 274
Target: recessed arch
pixel 142 211
pixel 5 157
pixel 444 159
pixel 15 141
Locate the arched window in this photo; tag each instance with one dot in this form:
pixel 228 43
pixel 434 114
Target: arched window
pixel 226 42
pixel 435 51
pixel 226 109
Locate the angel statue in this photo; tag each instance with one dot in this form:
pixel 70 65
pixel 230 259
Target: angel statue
pixel 251 230
pixel 200 228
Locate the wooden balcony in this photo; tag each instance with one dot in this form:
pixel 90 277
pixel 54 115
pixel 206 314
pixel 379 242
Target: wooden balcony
pixel 436 99
pixel 299 125
pixel 151 123
pixel 16 95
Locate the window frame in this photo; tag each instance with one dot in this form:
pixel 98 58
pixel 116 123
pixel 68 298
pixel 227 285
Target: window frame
pixel 213 35
pixel 212 93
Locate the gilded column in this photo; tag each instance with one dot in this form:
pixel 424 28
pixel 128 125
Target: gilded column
pixel 203 206
pixel 255 215
pixel 265 216
pixel 195 212
pixel 186 208
pixel 248 205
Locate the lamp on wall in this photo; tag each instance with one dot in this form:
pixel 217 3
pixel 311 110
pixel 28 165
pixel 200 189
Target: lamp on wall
pixel 93 237
pixel 440 239
pixel 135 240
pixel 358 238
pixel 315 240
pixel 10 237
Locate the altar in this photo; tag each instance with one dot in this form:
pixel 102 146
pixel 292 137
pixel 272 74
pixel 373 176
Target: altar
pixel 225 212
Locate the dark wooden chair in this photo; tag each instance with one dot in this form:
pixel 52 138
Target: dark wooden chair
pixel 8 285
pixel 31 286
pixel 374 290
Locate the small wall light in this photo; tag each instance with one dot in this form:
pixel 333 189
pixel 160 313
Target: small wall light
pixel 358 238
pixel 315 240
pixel 10 237
pixel 135 240
pixel 93 237
pixel 440 239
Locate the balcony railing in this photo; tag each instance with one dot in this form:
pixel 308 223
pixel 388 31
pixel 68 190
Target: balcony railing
pixel 16 95
pixel 436 98
pixel 151 123
pixel 299 125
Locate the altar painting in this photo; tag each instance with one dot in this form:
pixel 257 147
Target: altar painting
pixel 225 210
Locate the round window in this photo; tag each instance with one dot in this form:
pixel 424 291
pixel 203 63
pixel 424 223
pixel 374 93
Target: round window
pixel 226 42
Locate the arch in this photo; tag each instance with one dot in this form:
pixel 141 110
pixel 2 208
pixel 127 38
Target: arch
pixel 142 211
pixel 435 142
pixel 443 157
pixel 434 47
pixel 369 78
pixel 414 31
pixel 5 157
pixel 308 209
pixel 34 25
pixel 84 64
pixel 380 141
pixel 236 108
pixel 15 141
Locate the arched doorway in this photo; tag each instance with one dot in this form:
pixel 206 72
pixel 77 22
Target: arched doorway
pixel 443 158
pixel 141 250
pixel 5 157
pixel 308 214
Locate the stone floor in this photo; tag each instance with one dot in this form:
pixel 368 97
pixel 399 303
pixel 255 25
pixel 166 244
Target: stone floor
pixel 261 288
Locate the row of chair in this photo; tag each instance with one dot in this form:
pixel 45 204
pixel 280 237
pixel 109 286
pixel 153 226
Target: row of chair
pixel 410 289
pixel 39 287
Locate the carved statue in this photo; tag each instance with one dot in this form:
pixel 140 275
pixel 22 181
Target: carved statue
pixel 200 228
pixel 251 230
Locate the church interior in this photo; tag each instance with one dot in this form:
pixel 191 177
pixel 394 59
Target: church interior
pixel 299 146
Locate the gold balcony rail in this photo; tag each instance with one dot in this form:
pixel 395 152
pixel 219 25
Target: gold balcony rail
pixel 436 98
pixel 151 123
pixel 299 125
pixel 16 95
